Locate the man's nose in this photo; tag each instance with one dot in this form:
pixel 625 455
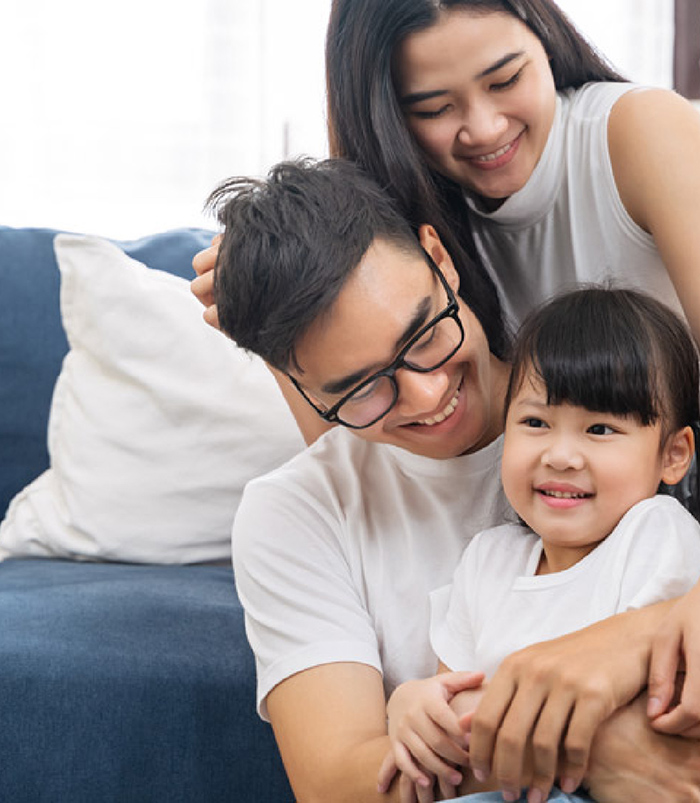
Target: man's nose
pixel 420 394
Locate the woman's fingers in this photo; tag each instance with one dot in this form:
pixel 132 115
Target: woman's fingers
pixel 205 260
pixel 202 286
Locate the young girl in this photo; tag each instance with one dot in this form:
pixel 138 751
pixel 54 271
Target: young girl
pixel 599 411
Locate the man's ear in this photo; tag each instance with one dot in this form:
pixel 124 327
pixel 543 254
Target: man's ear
pixel 678 452
pixel 431 242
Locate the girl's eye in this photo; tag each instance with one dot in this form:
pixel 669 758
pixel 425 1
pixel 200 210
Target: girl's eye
pixel 534 423
pixel 600 429
pixel 512 81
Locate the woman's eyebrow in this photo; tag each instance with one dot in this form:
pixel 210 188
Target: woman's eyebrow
pixel 337 386
pixel 417 97
pixel 496 66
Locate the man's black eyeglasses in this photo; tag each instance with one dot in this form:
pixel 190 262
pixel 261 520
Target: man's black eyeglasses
pixel 432 346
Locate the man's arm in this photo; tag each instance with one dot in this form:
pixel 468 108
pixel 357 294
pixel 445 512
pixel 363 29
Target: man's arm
pixel 567 686
pixel 632 762
pixel 330 726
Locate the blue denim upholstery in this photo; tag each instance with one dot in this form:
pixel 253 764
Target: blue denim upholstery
pixel 128 684
pixel 118 683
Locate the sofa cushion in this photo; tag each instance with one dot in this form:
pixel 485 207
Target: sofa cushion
pixel 129 684
pixel 33 343
pixel 157 422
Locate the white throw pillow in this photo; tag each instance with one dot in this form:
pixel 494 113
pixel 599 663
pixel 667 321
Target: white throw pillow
pixel 157 422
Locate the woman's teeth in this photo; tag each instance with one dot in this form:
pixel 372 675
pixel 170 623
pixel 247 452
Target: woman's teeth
pixel 490 157
pixel 440 417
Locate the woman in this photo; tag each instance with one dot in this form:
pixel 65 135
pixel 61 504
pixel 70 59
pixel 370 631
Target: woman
pixel 497 120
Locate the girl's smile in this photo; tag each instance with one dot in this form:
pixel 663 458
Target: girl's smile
pixel 571 473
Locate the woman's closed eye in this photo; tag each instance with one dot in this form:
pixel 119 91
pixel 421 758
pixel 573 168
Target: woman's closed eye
pixel 512 81
pixel 431 114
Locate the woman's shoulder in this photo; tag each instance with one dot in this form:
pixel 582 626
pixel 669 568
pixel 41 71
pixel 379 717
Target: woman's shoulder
pixel 595 99
pixel 649 106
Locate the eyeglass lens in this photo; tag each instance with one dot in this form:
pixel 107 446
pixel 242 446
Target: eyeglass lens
pixel 373 399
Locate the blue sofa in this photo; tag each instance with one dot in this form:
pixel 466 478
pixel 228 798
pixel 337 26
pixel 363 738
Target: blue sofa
pixel 119 682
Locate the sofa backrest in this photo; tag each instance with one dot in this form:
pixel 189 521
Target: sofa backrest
pixel 33 343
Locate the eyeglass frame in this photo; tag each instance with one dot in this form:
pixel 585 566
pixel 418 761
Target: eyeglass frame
pixel 450 311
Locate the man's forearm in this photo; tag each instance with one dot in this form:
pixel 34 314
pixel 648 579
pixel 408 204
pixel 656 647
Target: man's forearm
pixel 631 762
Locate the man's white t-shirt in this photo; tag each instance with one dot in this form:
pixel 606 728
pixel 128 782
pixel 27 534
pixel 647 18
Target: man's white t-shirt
pixel 496 603
pixel 336 552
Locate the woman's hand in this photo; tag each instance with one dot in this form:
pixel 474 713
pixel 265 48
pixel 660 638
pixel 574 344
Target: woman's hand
pixel 555 695
pixel 676 646
pixel 426 738
pixel 203 285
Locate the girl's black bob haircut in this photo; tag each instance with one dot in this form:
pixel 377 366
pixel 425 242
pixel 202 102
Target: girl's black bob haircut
pixel 611 350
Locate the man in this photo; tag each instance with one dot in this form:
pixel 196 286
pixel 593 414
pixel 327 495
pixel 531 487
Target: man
pixel 335 553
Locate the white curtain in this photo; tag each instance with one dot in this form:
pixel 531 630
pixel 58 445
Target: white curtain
pixel 635 35
pixel 118 118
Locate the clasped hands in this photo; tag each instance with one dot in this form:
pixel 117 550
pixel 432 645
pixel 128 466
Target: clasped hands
pixel 535 721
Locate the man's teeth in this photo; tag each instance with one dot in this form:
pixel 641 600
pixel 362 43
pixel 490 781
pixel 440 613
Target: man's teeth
pixel 440 417
pixel 565 494
pixel 490 157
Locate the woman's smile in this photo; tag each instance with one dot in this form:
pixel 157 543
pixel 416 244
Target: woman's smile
pixel 478 95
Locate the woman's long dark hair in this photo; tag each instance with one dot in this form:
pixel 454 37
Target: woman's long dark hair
pixel 366 123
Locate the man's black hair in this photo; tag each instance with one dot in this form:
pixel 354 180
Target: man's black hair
pixel 290 243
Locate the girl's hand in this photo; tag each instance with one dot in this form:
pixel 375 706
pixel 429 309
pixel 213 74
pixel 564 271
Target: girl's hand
pixel 554 695
pixel 425 734
pixel 676 646
pixel 203 285
pixel 410 792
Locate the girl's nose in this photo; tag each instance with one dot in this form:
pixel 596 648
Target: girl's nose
pixel 562 453
pixel 420 394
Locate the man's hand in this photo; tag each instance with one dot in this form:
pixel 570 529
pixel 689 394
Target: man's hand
pixel 554 695
pixel 203 285
pixel 674 700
